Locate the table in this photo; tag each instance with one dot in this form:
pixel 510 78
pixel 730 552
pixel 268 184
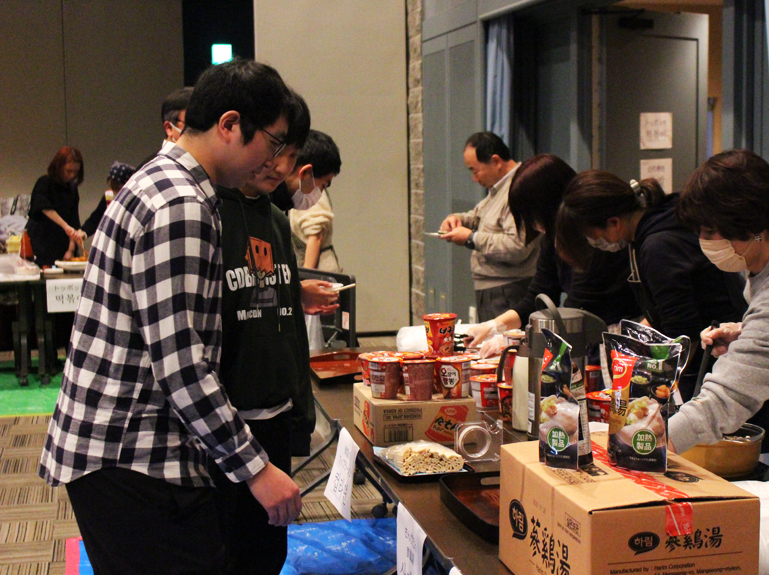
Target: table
pixel 449 540
pixel 31 293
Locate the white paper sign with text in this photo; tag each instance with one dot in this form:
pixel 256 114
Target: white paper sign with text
pixel 63 295
pixel 411 538
pixel 656 131
pixel 660 169
pixel 339 487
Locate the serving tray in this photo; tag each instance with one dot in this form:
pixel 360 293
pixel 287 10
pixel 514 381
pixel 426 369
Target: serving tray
pixel 391 469
pixel 336 367
pixel 474 499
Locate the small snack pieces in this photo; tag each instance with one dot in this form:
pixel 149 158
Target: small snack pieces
pixel 423 457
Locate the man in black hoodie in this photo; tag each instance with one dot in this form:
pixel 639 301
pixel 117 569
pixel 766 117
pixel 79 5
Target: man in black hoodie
pixel 265 364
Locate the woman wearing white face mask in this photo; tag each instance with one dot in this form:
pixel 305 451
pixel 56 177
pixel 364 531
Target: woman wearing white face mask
pixel 677 287
pixel 727 202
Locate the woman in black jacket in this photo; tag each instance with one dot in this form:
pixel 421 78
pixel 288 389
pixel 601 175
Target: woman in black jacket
pixel 602 289
pixel 53 208
pixel 679 289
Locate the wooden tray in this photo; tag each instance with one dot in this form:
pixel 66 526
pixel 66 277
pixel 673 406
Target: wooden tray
pixel 474 499
pixel 336 367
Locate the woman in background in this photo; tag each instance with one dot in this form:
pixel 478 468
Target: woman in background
pixel 535 194
pixel 54 220
pixel 678 289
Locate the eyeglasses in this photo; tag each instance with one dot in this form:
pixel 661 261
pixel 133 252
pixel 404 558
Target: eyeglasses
pixel 277 144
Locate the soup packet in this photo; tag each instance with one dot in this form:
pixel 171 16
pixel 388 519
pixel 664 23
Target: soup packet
pixel 642 381
pixel 648 334
pixel 564 435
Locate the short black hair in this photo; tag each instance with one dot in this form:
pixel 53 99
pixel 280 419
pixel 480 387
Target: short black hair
pixel 729 194
pixel 322 153
pixel 487 144
pixel 254 90
pixel 174 104
pixel 536 192
pixel 298 116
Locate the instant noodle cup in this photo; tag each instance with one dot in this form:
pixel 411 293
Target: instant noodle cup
pixel 484 388
pixel 505 392
pixel 454 376
pixel 440 333
pixel 418 376
pixel 385 376
pixel 482 368
pixel 514 337
pixel 471 355
pixel 593 378
pixel 363 360
pixel 598 406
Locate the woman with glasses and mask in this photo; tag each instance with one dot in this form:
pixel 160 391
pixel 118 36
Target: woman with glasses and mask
pixel 54 219
pixel 678 288
pixel 726 202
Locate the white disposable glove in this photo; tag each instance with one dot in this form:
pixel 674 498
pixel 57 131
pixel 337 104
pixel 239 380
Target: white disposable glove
pixel 481 332
pixel 492 347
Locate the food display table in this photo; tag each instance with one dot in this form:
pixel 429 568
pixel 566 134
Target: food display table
pixel 448 539
pixel 31 291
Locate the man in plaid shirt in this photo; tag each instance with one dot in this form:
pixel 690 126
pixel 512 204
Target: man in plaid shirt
pixel 141 408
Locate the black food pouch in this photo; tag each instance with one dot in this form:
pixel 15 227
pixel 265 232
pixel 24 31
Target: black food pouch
pixel 564 436
pixel 642 381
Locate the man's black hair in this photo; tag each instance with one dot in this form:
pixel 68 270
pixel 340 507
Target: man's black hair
pixel 254 90
pixel 176 102
pixel 320 151
pixel 298 116
pixel 487 144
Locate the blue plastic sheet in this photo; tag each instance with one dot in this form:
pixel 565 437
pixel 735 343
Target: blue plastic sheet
pixel 358 547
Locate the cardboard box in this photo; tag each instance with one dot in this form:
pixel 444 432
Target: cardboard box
pixel 605 521
pixel 390 421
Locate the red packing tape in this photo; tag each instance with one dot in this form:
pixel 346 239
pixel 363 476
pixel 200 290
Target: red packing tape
pixel 679 517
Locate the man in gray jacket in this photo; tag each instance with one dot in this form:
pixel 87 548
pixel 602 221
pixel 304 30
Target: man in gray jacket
pixel 502 264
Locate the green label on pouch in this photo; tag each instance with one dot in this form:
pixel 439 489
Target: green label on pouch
pixel 558 439
pixel 644 442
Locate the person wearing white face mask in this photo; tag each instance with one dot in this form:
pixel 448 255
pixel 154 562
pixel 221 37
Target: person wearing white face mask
pixel 677 287
pixel 727 202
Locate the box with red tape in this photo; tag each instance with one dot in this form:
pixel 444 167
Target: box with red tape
pixel 604 520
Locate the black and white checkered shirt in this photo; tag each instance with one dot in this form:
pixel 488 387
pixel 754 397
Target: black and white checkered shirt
pixel 140 389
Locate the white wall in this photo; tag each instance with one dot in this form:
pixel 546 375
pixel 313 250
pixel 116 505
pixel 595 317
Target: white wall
pixel 348 59
pixel 88 74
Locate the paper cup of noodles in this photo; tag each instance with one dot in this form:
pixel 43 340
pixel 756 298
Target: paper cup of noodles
pixel 482 368
pixel 385 377
pixel 598 406
pixel 484 388
pixel 454 375
pixel 363 360
pixel 440 333
pixel 418 378
pixel 505 391
pixel 514 337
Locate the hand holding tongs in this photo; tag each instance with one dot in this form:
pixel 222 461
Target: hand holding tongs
pixel 705 361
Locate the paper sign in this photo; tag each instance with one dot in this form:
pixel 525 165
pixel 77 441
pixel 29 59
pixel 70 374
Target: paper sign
pixel 661 170
pixel 411 538
pixel 656 131
pixel 63 295
pixel 339 487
